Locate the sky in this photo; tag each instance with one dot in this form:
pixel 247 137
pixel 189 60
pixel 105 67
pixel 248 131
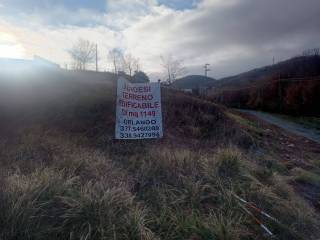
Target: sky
pixel 233 36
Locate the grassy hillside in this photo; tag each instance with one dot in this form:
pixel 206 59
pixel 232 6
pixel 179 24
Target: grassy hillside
pixel 292 68
pixel 63 176
pixel 289 87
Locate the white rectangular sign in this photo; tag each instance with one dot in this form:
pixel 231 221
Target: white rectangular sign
pixel 138 113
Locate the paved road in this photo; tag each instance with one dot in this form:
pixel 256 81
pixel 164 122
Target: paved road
pixel 311 134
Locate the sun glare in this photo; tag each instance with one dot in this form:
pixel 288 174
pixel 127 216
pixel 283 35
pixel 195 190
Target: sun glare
pixel 10 47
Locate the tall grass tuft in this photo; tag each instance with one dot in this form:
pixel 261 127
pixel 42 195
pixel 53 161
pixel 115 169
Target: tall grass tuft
pixel 229 163
pixel 50 205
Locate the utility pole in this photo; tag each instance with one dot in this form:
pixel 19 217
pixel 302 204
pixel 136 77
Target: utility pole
pixel 96 57
pixel 206 69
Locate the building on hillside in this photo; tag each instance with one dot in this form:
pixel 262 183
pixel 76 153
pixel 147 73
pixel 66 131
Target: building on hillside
pixel 199 91
pixel 210 91
pixel 187 90
pixel 203 91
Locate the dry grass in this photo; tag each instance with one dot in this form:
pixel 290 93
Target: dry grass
pixel 64 177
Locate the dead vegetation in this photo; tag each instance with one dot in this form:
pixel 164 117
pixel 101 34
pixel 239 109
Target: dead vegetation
pixel 63 176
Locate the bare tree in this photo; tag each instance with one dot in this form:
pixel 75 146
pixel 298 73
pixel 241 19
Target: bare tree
pixel 123 63
pixel 137 65
pixel 82 53
pixel 116 57
pixel 174 68
pixel 130 64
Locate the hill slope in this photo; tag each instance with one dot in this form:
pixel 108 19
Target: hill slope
pixel 289 87
pixel 293 68
pixel 63 176
pixel 193 82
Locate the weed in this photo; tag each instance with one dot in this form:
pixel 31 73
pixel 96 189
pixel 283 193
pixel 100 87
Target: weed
pixel 229 163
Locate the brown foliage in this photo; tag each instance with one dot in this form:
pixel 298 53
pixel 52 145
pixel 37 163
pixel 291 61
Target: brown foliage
pixel 284 96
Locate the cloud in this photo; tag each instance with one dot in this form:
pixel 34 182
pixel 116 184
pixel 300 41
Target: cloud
pixel 9 46
pixel 233 35
pixel 53 43
pixel 224 32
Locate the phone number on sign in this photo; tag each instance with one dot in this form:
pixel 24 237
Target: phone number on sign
pixel 138 129
pixel 140 135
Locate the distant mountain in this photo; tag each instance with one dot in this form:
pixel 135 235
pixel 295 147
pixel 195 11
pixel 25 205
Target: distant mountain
pixel 293 68
pixel 193 82
pixel 304 66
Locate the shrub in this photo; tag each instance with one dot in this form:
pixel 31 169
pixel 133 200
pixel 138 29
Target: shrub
pixel 229 163
pixel 225 226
